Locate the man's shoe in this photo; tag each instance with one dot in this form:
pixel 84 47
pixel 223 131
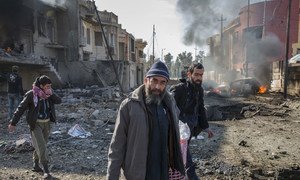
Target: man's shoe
pixel 47 176
pixel 37 169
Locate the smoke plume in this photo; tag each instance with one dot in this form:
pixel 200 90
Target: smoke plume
pixel 55 3
pixel 261 50
pixel 202 17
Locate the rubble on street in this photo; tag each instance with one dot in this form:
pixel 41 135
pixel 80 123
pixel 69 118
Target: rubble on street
pixel 255 137
pixel 93 109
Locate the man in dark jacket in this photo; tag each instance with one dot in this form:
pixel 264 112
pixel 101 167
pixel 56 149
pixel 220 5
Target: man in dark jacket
pixel 145 143
pixel 189 99
pixel 14 90
pixel 41 112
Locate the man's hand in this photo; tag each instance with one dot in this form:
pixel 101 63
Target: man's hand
pixel 209 133
pixel 11 128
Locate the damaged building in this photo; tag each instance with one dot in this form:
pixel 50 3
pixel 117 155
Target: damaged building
pixel 253 44
pixel 64 40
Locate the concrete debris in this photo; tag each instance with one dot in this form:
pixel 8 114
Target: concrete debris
pixel 248 132
pixel 23 144
pixel 96 113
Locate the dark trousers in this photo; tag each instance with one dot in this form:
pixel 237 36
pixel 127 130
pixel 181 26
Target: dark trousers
pixel 190 167
pixel 13 102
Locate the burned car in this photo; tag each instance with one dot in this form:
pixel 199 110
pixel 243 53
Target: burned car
pixel 222 90
pixel 244 87
pixel 211 88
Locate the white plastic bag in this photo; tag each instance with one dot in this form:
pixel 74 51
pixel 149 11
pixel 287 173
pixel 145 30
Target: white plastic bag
pixel 78 131
pixel 184 131
pixel 185 134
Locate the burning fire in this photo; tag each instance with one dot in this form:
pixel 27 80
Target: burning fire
pixel 8 50
pixel 262 89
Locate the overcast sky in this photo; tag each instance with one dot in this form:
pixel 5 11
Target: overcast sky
pixel 139 16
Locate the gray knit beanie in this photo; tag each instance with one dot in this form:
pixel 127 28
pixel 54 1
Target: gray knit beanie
pixel 158 69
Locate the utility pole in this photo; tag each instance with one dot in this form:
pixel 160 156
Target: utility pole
pixel 221 38
pixel 196 49
pixel 153 44
pixel 107 46
pixel 286 69
pixel 201 54
pixel 264 20
pixel 248 13
pixel 248 25
pixel 222 19
pixel 162 54
pixel 221 46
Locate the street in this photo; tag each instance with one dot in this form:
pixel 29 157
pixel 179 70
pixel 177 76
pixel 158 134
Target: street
pixel 254 138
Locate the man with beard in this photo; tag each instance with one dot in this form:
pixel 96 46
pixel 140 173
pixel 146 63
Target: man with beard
pixel 145 142
pixel 189 99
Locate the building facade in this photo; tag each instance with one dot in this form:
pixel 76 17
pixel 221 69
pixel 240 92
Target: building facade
pixel 256 39
pixel 64 40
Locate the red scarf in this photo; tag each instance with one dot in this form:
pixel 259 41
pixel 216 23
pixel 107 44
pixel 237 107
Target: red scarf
pixel 38 93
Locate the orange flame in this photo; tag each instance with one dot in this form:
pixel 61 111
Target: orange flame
pixel 8 50
pixel 262 89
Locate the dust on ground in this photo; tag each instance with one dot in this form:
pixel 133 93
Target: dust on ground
pixel 256 137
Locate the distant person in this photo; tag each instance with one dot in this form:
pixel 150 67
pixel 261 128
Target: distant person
pixel 189 98
pixel 145 142
pixel 39 104
pixel 14 90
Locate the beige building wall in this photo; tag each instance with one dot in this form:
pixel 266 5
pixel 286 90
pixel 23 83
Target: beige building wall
pixel 296 46
pixel 140 46
pixel 92 41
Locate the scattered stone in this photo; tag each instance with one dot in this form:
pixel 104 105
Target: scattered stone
pixel 243 143
pixel 283 152
pixel 96 113
pixel 270 173
pixel 244 162
pixel 208 172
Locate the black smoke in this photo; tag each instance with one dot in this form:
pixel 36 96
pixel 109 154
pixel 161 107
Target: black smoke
pixel 14 17
pixel 202 17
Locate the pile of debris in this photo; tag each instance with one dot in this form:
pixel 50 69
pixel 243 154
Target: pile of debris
pixel 9 54
pixel 81 109
pixel 23 144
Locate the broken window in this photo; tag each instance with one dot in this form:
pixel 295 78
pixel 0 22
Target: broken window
pixel 141 54
pixel 82 30
pixel 26 40
pixel 42 25
pixel 98 39
pixel 46 27
pixel 50 30
pixel 112 40
pixel 112 44
pixel 236 37
pixel 122 51
pixel 253 33
pixel 88 36
pixel 86 56
pixel 132 45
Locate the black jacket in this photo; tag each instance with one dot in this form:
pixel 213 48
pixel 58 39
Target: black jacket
pixel 189 100
pixel 14 84
pixel 32 113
